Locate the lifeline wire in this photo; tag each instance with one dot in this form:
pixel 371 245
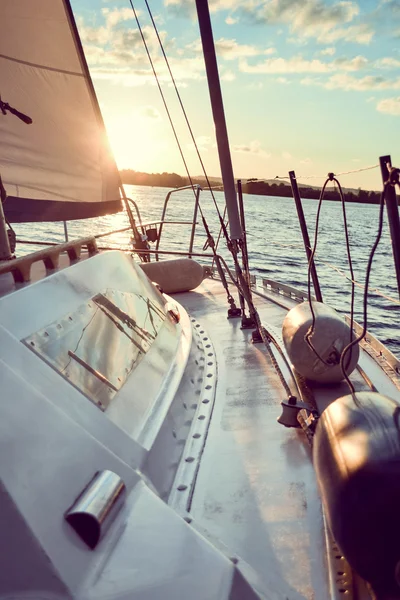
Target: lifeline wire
pixel 376 291
pixel 346 231
pixel 368 273
pixel 310 332
pixel 323 176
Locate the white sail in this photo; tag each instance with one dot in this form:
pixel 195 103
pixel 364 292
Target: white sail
pixel 60 167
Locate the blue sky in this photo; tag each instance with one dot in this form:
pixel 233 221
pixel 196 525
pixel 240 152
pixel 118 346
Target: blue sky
pixel 310 85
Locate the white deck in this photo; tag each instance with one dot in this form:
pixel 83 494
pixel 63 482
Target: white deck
pixel 210 446
pixel 256 488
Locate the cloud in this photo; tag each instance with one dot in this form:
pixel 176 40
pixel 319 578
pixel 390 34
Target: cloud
pixel 388 63
pixel 253 147
pixel 230 49
pixel 203 143
pixel 343 81
pixel 228 76
pixel 330 51
pixel 308 19
pixel 390 106
pixel 282 80
pixel 286 155
pixel 116 53
pixel 360 34
pixel 116 15
pixel 298 64
pixel 312 19
pixel 255 85
pixel 149 112
pixel 369 82
pixel 186 8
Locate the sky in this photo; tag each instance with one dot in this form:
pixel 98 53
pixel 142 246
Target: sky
pixel 309 85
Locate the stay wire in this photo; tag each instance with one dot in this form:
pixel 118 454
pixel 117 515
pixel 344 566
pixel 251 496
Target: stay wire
pixel 240 283
pixel 208 233
pixel 231 246
pixel 162 96
pixel 183 108
pixel 368 273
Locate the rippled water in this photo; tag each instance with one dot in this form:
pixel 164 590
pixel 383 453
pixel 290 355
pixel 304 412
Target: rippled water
pixel 275 245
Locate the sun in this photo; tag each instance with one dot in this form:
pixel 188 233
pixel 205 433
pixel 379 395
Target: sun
pixel 135 142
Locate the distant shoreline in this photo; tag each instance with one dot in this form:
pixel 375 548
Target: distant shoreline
pixel 254 186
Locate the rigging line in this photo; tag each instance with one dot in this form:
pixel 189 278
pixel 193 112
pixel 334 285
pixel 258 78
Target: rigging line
pixel 177 140
pixel 368 273
pixel 310 332
pixel 357 170
pixel 323 176
pixel 182 107
pixel 376 291
pixel 346 232
pixel 162 95
pixel 231 246
pixel 219 237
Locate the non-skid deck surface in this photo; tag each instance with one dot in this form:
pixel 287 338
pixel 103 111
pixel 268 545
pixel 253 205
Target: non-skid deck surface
pixel 256 489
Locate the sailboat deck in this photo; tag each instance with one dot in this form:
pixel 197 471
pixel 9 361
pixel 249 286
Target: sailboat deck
pixel 256 489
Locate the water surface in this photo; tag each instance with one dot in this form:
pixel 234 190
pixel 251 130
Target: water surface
pixel 275 245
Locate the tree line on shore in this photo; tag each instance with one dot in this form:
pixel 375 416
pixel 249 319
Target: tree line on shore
pixel 250 186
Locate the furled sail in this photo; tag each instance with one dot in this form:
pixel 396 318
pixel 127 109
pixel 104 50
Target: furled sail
pixel 60 167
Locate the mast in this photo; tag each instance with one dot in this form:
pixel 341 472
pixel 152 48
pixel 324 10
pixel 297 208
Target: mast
pixel 217 105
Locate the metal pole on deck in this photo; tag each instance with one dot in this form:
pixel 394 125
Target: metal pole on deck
pixel 392 213
pixel 304 232
pixel 5 250
pixel 196 208
pixel 65 231
pixel 247 322
pixel 245 255
pixel 139 242
pixel 217 106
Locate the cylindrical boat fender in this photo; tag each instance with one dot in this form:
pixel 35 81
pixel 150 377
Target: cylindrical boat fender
pixel 356 453
pixel 331 335
pixel 179 275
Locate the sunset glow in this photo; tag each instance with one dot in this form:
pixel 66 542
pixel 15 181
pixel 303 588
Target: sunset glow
pixel 310 85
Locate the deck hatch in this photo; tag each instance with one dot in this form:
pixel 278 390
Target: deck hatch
pixel 98 345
